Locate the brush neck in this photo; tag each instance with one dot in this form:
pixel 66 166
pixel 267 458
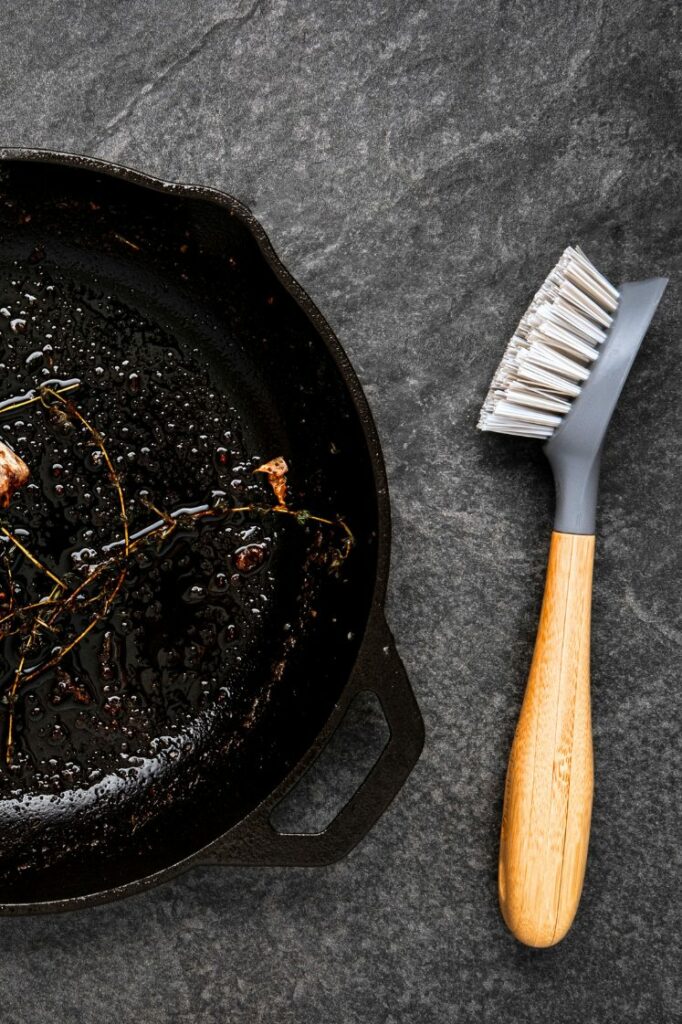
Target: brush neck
pixel 576 480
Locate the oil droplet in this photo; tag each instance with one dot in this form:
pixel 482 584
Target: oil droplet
pixel 34 359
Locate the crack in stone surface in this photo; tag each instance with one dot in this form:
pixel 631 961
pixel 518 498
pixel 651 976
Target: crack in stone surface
pixel 149 88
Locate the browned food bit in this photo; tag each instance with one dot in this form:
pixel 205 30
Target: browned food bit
pixel 13 474
pixel 249 558
pixel 66 686
pixel 276 471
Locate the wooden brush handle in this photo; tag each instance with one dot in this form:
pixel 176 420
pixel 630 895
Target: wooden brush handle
pixel 548 795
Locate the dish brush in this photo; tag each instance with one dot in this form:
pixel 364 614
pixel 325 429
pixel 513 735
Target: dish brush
pixel 559 381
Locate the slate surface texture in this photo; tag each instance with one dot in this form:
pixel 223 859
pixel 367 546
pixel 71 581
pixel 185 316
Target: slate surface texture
pixel 419 166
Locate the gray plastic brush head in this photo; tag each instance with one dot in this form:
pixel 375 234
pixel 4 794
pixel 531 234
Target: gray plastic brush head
pixel 574 450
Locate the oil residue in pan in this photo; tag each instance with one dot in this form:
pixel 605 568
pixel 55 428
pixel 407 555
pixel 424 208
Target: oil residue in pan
pixel 199 615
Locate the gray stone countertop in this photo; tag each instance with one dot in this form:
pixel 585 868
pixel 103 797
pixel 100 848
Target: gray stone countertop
pixel 419 166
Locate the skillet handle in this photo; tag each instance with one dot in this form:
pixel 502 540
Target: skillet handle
pixel 379 669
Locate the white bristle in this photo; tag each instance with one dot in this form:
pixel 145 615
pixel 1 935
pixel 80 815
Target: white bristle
pixel 548 359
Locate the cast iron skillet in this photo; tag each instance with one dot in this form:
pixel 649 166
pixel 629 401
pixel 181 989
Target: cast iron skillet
pixel 297 395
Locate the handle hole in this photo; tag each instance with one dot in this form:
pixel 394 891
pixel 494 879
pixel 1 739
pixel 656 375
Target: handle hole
pixel 341 768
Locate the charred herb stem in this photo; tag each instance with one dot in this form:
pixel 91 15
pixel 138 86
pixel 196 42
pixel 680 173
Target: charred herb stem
pixel 11 700
pixel 16 612
pixel 16 682
pixel 10 586
pixel 99 441
pixel 32 558
pixel 11 405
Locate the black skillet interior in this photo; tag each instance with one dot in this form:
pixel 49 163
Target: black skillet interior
pixel 189 267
